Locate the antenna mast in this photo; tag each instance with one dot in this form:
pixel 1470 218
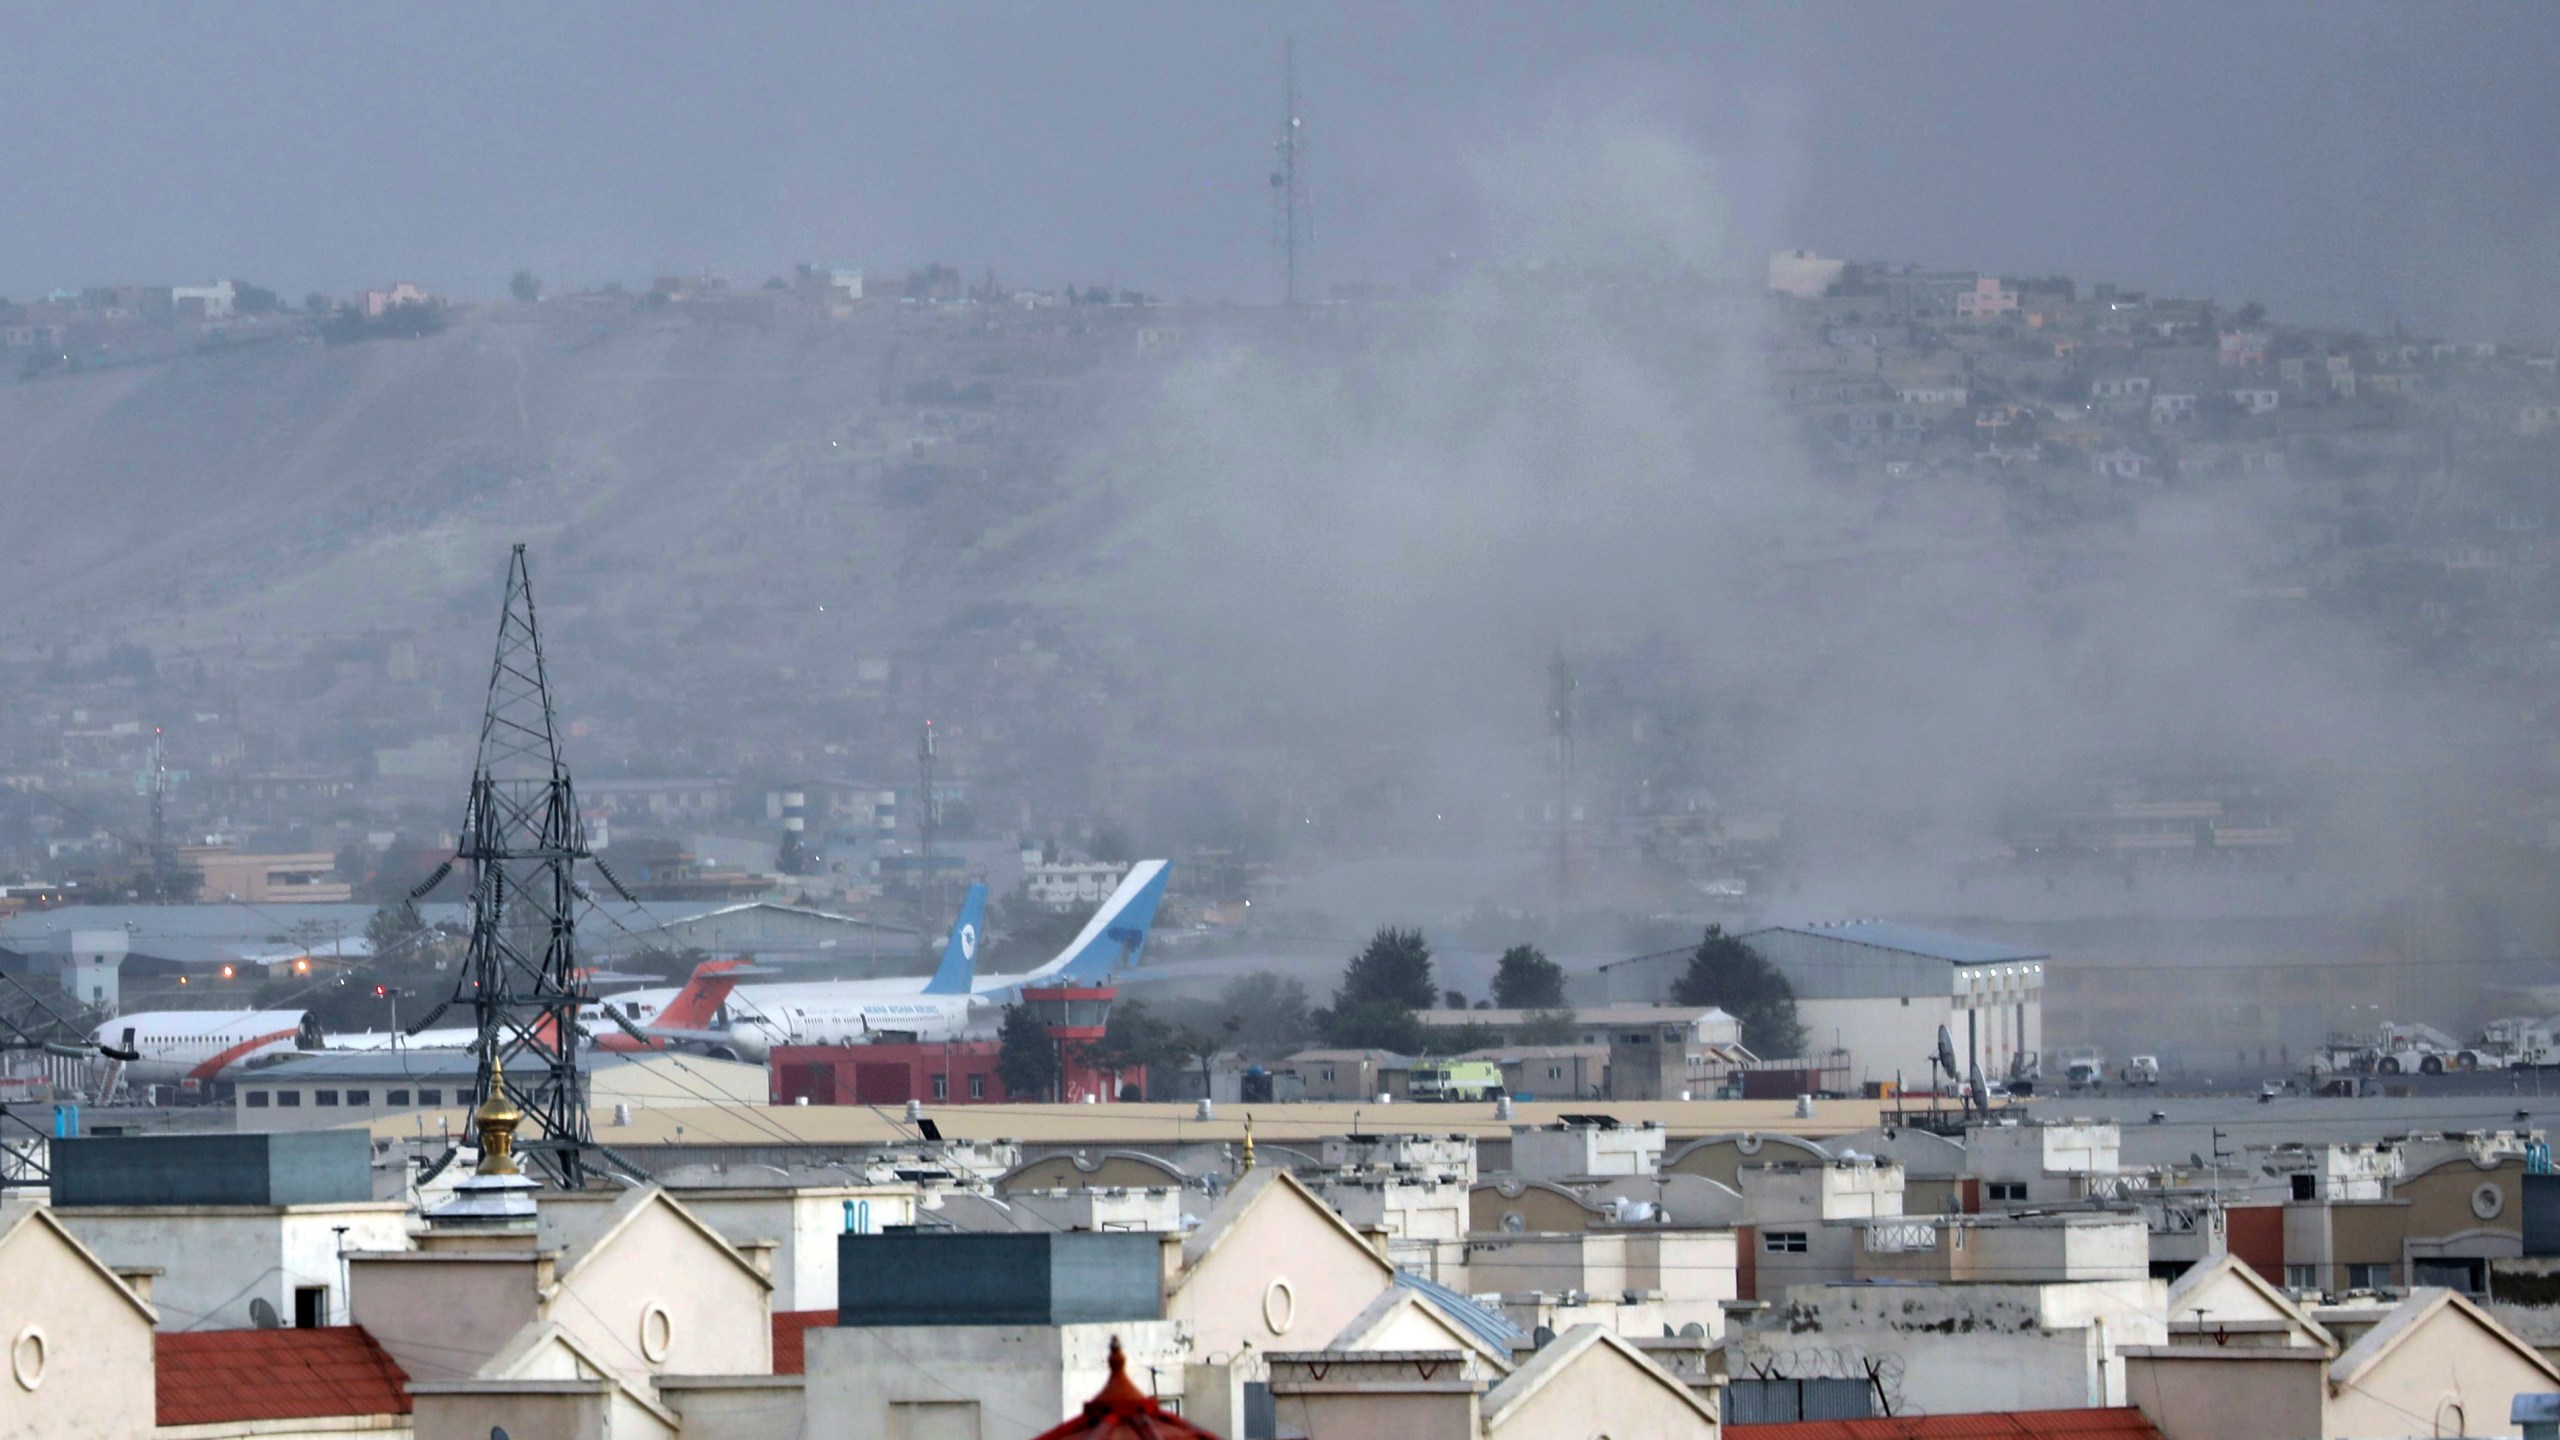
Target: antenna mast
pixel 928 825
pixel 1292 223
pixel 1560 728
pixel 523 839
pixel 164 865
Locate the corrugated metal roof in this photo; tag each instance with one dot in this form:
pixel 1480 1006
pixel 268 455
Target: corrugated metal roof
pixel 208 1377
pixel 1490 1326
pixel 2098 1424
pixel 1909 940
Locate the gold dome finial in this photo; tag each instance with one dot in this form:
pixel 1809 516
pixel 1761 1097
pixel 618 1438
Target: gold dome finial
pixel 1248 1144
pixel 496 1120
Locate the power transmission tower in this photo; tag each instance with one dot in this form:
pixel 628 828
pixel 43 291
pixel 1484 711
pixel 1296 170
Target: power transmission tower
pixel 523 839
pixel 1560 728
pixel 1292 221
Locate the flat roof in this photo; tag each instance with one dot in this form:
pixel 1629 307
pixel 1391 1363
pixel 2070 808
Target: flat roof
pixel 1909 940
pixel 1141 1124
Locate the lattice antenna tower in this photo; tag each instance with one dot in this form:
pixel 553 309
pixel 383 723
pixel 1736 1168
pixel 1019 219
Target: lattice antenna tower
pixel 522 838
pixel 1560 688
pixel 928 825
pixel 1293 226
pixel 164 860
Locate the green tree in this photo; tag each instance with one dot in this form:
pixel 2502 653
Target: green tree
pixel 1373 1025
pixel 1026 1058
pixel 525 286
pixel 1265 1011
pixel 395 932
pixel 1138 1037
pixel 1395 966
pixel 1453 1039
pixel 1527 980
pixel 1729 974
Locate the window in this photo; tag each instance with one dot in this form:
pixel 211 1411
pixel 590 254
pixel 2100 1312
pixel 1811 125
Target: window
pixel 2368 1277
pixel 2005 1190
pixel 941 1087
pixel 1555 1072
pixel 359 1097
pixel 2302 1277
pixel 977 1087
pixel 395 1097
pixel 1906 1002
pixel 430 1097
pixel 310 1306
pixel 2303 1186
pixel 289 1099
pixel 324 1097
pixel 1783 1242
pixel 1328 1074
pixel 255 1100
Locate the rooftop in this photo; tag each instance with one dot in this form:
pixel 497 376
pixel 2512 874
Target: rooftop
pixel 2114 1424
pixel 1909 940
pixel 209 1377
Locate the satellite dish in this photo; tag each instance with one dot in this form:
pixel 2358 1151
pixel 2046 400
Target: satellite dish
pixel 1693 1331
pixel 499 1432
pixel 262 1313
pixel 1981 1101
pixel 1542 1337
pixel 1947 1054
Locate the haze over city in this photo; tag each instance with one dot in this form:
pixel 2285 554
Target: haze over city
pixel 1901 582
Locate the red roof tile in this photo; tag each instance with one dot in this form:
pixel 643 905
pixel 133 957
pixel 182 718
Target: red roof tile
pixel 791 1338
pixel 214 1376
pixel 2117 1424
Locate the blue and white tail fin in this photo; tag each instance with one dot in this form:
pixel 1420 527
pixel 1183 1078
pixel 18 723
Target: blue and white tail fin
pixel 1112 940
pixel 958 972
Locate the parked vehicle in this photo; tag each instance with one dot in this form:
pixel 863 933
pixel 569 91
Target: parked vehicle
pixel 1457 1080
pixel 2087 1073
pixel 2142 1070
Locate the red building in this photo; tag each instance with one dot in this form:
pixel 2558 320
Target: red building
pixel 956 1072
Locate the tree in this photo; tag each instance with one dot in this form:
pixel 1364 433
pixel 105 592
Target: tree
pixel 1527 980
pixel 1138 1038
pixel 1373 1025
pixel 394 932
pixel 1267 1010
pixel 1453 1039
pixel 1732 976
pixel 1395 966
pixel 526 287
pixel 1382 987
pixel 1026 1058
pixel 248 299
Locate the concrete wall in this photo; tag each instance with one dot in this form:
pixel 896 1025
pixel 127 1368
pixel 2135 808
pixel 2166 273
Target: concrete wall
pixel 1886 1036
pixel 1598 1392
pixel 806 1223
pixel 1288 1278
pixel 443 1316
pixel 1982 1347
pixel 71 1332
pixel 2451 1373
pixel 660 1298
pixel 2200 1393
pixel 1007 1380
pixel 218 1259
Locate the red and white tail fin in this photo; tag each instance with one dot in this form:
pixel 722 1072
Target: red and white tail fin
pixel 702 996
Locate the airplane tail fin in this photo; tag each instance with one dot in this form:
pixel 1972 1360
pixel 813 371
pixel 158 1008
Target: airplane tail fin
pixel 702 996
pixel 1114 937
pixel 959 968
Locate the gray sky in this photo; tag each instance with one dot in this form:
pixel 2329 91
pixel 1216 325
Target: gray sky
pixel 2365 161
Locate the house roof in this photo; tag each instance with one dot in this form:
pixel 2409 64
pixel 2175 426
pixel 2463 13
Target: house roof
pixel 2203 1272
pixel 1910 940
pixel 225 1376
pixel 14 1217
pixel 791 1338
pixel 1482 1321
pixel 1122 1411
pixel 1551 1360
pixel 1227 1216
pixel 2106 1424
pixel 583 1231
pixel 2412 1315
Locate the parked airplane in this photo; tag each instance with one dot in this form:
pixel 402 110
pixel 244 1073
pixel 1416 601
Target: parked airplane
pixel 686 1020
pixel 846 1012
pixel 193 1048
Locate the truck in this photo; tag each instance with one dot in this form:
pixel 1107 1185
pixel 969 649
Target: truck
pixel 1456 1080
pixel 2085 1071
pixel 2142 1070
pixel 2518 1040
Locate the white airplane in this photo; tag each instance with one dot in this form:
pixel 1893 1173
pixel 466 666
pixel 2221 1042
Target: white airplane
pixel 194 1048
pixel 937 1007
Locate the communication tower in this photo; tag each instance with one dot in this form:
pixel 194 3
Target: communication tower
pixel 1292 220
